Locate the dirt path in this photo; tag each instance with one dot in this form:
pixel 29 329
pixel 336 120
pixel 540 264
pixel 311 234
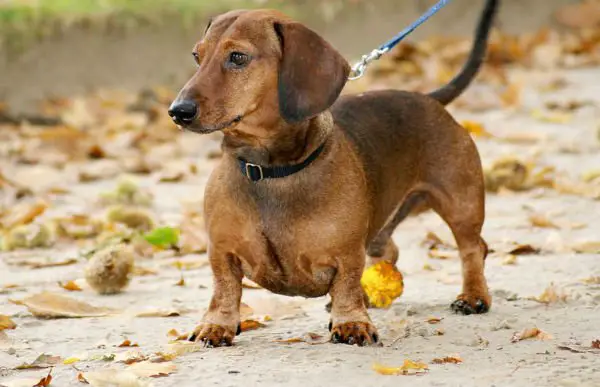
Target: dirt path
pixel 482 342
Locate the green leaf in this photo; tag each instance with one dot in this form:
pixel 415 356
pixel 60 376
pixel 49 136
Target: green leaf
pixel 162 236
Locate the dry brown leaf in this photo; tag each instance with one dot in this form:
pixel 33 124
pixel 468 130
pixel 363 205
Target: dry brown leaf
pixel 181 281
pixel 52 305
pixel 70 286
pixel 530 333
pixel 42 361
pixel 23 213
pixel 434 320
pixel 130 357
pixel 511 96
pixel 114 378
pixel 45 381
pixel 524 250
pixel 179 348
pixel 448 359
pixel 127 343
pixel 408 368
pixel 250 325
pixel 588 247
pixel 82 379
pixel 551 295
pixel 441 254
pixel 177 336
pixel 538 220
pixel 38 264
pixel 596 344
pixel 161 313
pixel 309 338
pixel 6 323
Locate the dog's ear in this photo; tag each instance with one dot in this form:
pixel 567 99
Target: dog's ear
pixel 311 73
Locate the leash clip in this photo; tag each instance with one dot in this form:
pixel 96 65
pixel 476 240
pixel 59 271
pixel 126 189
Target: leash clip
pixel 358 70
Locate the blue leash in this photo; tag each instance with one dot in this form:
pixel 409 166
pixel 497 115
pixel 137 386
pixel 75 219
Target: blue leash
pixel 358 70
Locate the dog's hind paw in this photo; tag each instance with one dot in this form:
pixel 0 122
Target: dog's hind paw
pixel 355 332
pixel 213 335
pixel 467 306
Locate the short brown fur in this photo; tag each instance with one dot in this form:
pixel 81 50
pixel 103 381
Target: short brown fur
pixel 307 234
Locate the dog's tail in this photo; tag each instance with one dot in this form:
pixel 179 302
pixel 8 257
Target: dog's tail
pixel 449 92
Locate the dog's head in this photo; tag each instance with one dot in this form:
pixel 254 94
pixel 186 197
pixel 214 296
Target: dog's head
pixel 256 68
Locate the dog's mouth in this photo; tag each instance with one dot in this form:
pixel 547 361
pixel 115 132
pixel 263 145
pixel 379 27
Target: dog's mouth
pixel 205 129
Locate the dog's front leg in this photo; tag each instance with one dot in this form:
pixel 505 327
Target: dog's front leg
pixel 350 322
pixel 221 321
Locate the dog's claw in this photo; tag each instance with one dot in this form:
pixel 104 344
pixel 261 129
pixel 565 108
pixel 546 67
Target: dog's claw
pixel 375 337
pixel 192 337
pixel 335 338
pixel 239 330
pixel 330 325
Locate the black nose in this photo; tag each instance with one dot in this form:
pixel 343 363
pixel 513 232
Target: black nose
pixel 183 112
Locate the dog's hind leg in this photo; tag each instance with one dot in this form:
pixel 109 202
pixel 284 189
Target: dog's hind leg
pixel 382 247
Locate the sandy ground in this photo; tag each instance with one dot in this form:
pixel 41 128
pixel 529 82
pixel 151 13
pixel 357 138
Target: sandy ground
pixel 483 342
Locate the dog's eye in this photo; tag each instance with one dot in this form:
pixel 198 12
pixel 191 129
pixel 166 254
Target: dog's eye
pixel 238 59
pixel 196 57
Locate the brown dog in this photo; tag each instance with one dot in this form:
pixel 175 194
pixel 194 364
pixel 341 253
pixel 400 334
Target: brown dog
pixel 303 192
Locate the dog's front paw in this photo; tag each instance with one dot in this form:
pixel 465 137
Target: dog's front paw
pixel 213 335
pixel 465 304
pixel 354 332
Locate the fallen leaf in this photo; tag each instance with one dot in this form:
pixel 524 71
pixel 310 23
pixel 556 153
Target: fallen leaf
pixel 578 348
pixel 383 283
pixel 179 348
pixel 434 320
pixel 551 117
pixel 161 313
pixel 52 305
pixel 523 250
pixel 146 369
pixel 143 271
pixel 538 220
pixel 511 96
pixel 163 237
pixel 250 325
pixel 70 286
pixel 475 128
pixel 530 333
pixel 510 260
pixel 23 213
pixel 181 281
pixel 439 332
pixel 45 381
pixel 245 310
pixel 589 247
pixel 441 254
pixel 551 295
pixel 408 368
pixel 6 323
pixel 42 361
pixel 177 336
pixel 447 359
pixel 596 344
pixel 130 357
pixel 48 263
pixel 309 338
pixel 594 280
pixel 82 378
pixel 127 343
pixel 114 378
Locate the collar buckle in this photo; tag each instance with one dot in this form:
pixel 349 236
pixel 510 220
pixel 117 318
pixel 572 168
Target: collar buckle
pixel 254 172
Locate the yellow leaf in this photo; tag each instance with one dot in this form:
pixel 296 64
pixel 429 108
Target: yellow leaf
pixel 589 247
pixel 71 360
pixel 382 283
pixel 249 325
pixel 146 369
pixel 475 128
pixel 409 367
pixel 181 281
pixel 70 286
pixel 127 343
pixel 6 323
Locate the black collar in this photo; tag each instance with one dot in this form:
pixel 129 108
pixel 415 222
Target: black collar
pixel 256 172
